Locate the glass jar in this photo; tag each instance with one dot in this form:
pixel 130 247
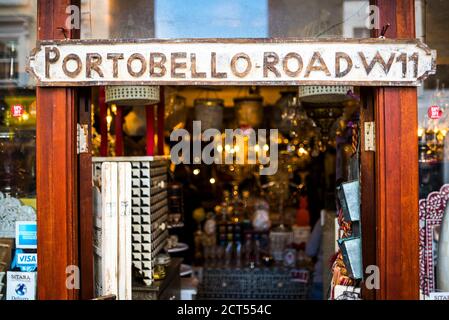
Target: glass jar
pixel 160 269
pixel 159 272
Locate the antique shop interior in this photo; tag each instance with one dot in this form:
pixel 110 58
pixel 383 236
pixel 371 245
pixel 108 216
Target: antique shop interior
pixel 226 229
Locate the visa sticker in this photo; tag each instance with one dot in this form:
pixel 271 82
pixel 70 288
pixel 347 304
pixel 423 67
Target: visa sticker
pixel 27 259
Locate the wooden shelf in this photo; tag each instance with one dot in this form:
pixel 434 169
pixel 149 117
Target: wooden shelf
pixel 165 289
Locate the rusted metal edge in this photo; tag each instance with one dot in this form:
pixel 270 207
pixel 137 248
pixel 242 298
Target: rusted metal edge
pixel 433 69
pixel 28 67
pixel 415 83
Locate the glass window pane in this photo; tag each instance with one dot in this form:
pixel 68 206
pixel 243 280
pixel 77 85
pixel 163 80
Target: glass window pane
pixel 17 141
pixel 213 18
pixel 434 98
pixel 433 143
pixel 17 100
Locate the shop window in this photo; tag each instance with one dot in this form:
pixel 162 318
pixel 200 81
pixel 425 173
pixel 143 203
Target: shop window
pixel 13 2
pixel 433 143
pixel 17 141
pixel 224 19
pixel 229 220
pixel 8 60
pixel 218 212
pixel 17 101
pixel 16 41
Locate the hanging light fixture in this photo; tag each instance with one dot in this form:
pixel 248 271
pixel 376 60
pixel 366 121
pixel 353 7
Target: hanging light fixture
pixel 132 95
pixel 325 104
pixel 301 126
pixel 132 22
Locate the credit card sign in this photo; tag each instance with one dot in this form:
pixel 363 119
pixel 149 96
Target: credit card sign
pixel 26 234
pixel 27 259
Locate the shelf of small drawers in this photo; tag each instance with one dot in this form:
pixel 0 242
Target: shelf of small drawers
pixel 149 210
pixel 149 214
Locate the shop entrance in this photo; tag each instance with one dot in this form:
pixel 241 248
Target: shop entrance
pixel 234 231
pixel 57 127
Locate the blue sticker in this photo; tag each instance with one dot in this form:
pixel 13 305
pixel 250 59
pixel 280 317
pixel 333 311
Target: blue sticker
pixel 26 262
pixel 26 234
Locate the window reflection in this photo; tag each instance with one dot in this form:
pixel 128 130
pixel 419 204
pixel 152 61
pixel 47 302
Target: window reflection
pixel 17 101
pixel 8 60
pixel 224 19
pixel 313 19
pixel 211 18
pixel 433 103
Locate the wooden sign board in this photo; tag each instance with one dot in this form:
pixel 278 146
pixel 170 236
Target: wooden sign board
pixel 363 62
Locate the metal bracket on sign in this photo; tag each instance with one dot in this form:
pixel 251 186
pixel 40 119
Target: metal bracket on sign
pixel 370 136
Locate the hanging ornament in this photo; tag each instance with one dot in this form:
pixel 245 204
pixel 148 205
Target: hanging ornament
pixel 301 127
pixel 325 104
pixel 277 121
pixel 324 115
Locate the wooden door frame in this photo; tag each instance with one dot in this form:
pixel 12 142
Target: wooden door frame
pixel 85 218
pixel 64 205
pixel 396 169
pixel 368 189
pixel 57 168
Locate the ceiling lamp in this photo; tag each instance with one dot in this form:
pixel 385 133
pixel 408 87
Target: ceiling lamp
pixel 324 115
pixel 132 95
pixel 325 104
pixel 324 94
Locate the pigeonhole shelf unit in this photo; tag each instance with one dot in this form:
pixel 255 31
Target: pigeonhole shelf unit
pixel 147 178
